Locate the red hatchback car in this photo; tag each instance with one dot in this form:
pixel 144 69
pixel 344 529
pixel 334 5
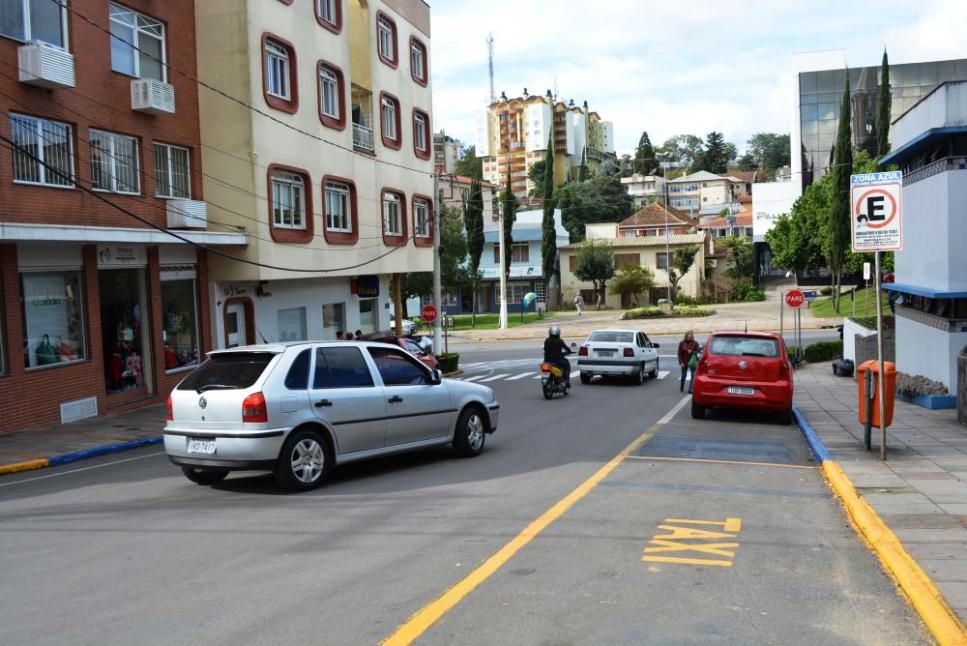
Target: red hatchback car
pixel 749 370
pixel 411 346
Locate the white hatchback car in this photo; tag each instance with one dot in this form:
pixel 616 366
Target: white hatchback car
pixel 624 353
pixel 298 409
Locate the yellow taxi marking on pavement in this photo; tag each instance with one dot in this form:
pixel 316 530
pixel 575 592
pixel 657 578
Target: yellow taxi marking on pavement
pixel 759 464
pixel 422 619
pixel 672 542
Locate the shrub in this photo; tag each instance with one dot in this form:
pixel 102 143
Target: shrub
pixel 650 312
pixel 823 351
pixel 692 310
pixel 653 312
pixel 448 362
pixel 918 385
pixel 826 291
pixel 683 299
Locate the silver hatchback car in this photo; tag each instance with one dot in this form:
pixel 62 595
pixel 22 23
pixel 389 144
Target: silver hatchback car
pixel 298 409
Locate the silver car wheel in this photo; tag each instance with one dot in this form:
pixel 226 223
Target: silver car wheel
pixel 308 460
pixel 475 432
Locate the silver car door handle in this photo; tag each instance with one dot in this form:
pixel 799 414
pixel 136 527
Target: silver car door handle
pixel 323 402
pixel 395 399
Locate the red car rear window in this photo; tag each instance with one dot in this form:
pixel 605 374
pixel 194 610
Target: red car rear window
pixel 744 346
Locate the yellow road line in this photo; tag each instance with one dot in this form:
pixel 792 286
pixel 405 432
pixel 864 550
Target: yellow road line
pixel 422 619
pixel 919 588
pixel 760 464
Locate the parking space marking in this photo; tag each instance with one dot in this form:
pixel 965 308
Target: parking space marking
pixel 746 462
pixel 698 539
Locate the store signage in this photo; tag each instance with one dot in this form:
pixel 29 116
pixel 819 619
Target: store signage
pixel 367 286
pixel 121 256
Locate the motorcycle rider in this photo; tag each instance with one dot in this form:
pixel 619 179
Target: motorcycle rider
pixel 556 351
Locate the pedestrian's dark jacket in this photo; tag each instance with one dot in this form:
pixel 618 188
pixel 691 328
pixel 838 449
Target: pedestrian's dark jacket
pixel 555 348
pixel 685 350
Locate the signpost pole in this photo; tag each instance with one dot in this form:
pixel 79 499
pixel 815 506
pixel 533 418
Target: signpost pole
pixel 782 302
pixel 879 354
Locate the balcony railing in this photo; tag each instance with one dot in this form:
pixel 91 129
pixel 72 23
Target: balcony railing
pixel 363 137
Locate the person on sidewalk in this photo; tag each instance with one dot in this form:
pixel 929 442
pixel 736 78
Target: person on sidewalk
pixel 687 348
pixel 579 303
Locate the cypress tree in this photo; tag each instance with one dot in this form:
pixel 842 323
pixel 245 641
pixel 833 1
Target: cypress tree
pixel 473 223
pixel 548 234
pixel 839 214
pixel 508 216
pixel 883 122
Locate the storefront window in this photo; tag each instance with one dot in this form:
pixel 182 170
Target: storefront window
pixel 53 318
pixel 333 319
pixel 292 324
pixel 122 330
pixel 180 331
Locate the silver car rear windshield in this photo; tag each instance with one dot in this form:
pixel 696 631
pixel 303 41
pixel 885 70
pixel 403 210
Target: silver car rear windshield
pixel 612 337
pixel 744 346
pixel 227 371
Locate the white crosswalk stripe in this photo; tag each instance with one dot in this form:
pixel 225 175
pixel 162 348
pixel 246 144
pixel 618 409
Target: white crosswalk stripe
pixel 508 376
pixel 494 378
pixel 520 376
pixel 472 377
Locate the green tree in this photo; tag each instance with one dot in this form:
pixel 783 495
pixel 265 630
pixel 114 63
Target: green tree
pixel 595 264
pixel 633 280
pixel 839 214
pixel 536 175
pixel 473 225
pixel 601 199
pixel 469 165
pixel 548 231
pixel 768 151
pixel 508 215
pixel 682 260
pixel 646 160
pixel 797 239
pixel 714 156
pixel 883 120
pixel 680 151
pixel 454 275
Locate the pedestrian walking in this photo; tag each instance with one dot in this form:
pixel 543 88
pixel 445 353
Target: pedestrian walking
pixel 579 303
pixel 688 349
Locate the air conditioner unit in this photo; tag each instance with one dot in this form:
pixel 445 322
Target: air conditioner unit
pixel 187 214
pixel 45 65
pixel 152 96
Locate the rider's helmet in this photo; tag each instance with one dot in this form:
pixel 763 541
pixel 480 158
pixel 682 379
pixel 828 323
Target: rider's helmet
pixel 554 330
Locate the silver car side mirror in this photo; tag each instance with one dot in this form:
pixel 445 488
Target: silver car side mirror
pixel 437 376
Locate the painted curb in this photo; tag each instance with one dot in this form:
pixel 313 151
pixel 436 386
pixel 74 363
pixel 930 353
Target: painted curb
pixel 923 594
pixel 74 456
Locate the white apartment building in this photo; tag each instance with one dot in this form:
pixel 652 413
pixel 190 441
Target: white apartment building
pixel 644 188
pixel 318 145
pixel 706 194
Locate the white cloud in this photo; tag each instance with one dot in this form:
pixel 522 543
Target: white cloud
pixel 670 68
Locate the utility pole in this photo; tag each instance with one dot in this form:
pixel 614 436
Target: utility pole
pixel 499 211
pixel 437 250
pixel 668 258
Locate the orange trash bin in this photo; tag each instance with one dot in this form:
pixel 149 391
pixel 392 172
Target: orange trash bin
pixel 889 391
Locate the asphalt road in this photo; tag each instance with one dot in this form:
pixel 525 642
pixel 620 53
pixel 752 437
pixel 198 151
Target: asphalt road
pixel 607 517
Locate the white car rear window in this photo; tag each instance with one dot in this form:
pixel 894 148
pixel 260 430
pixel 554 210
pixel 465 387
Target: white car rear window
pixel 612 337
pixel 227 371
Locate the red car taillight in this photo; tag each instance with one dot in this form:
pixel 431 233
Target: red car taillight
pixel 629 352
pixel 169 410
pixel 254 410
pixel 583 351
pixel 784 370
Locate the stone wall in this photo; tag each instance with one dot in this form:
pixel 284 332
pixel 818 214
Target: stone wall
pixel 866 347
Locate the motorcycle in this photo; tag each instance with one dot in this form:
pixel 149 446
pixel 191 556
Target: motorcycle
pixel 552 379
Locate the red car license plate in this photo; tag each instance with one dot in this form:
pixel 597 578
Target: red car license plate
pixel 741 390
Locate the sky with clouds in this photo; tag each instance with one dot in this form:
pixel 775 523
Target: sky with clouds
pixel 669 68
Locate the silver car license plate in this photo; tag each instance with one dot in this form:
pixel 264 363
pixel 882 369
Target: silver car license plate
pixel 741 390
pixel 205 447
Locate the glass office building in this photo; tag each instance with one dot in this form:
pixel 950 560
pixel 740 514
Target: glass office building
pixel 821 92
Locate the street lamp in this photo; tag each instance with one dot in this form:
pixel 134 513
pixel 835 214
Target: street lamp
pixel 497 214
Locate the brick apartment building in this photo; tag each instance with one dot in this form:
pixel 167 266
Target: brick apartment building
pixel 100 308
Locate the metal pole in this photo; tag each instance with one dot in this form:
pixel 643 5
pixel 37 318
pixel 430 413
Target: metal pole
pixel 879 354
pixel 503 270
pixel 668 259
pixel 437 250
pixel 782 300
pixel 799 328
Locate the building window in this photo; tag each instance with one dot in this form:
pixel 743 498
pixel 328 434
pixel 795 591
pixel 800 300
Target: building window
pixel 626 260
pixel 661 260
pixel 421 218
pixel 28 20
pixel 333 319
pixel 53 317
pixel 171 171
pixel 519 253
pixel 515 292
pixel 43 152
pixel 288 200
pixel 332 110
pixel 392 215
pixel 114 163
pixel 292 324
pixel 386 39
pixel 418 61
pixel 329 14
pixel 137 44
pixel 338 207
pixel 390 121
pixel 277 71
pixel 421 134
pixel 180 332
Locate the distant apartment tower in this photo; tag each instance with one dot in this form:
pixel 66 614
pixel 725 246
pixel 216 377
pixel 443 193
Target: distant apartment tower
pixel 514 135
pixel 447 151
pixel 319 144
